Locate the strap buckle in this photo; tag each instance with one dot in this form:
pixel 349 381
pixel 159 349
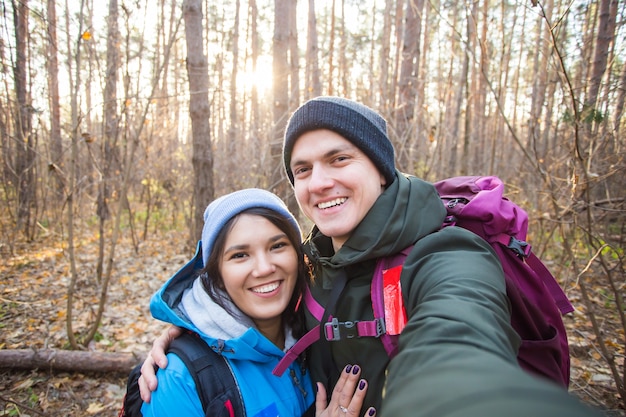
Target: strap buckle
pixel 519 247
pixel 380 327
pixel 336 330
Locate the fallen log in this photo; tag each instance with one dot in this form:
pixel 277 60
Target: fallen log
pixel 69 360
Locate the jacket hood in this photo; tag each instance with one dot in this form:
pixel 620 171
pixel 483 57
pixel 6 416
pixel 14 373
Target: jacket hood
pixel 388 227
pixel 183 302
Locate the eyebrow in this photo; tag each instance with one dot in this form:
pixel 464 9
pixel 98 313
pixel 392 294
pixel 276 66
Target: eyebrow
pixel 236 248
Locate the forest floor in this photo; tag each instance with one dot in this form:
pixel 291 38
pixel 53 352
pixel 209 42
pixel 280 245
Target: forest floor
pixel 33 309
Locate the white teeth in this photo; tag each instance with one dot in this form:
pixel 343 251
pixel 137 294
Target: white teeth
pixel 332 203
pixel 266 288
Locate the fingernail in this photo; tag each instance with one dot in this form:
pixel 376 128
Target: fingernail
pixel 348 368
pixel 355 369
pixel 372 411
pixel 362 385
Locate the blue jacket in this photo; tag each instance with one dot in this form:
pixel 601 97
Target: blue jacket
pixel 183 302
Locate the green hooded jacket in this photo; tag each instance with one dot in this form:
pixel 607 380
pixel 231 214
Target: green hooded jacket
pixel 457 353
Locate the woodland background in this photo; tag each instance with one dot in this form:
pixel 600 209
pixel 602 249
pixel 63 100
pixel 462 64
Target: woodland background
pixel 121 120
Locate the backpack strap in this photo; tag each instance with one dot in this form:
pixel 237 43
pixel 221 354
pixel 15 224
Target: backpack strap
pixel 378 306
pixel 215 382
pixel 305 341
pixel 524 251
pixel 132 402
pixel 312 305
pixel 383 267
pixel 335 330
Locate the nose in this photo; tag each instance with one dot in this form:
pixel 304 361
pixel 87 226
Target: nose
pixel 263 266
pixel 320 179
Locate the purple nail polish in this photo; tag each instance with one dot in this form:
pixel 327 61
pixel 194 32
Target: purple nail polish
pixel 355 369
pixel 372 411
pixel 362 385
pixel 348 368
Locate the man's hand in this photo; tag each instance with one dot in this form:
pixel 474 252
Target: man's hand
pixel 156 357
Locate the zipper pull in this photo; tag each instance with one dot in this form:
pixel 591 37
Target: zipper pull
pixel 296 381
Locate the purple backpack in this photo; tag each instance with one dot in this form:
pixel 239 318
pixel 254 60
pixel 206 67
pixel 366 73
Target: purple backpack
pixel 537 300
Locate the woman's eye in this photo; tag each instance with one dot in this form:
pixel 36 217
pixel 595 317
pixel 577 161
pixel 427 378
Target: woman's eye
pixel 279 245
pixel 237 255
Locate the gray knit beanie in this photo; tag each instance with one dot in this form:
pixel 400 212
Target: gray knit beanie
pixel 221 210
pixel 359 124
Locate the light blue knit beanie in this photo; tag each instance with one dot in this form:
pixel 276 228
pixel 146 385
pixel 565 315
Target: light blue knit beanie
pixel 221 210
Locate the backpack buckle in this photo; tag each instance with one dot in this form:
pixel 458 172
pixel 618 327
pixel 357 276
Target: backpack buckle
pixel 380 327
pixel 519 247
pixel 336 330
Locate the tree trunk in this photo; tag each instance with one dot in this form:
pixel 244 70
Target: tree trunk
pixel 621 99
pixel 255 50
pixel 447 154
pixel 331 51
pixel 69 360
pixel 91 55
pixel 197 70
pixel 425 126
pixel 397 58
pixel 508 27
pixel 294 59
pixel 385 56
pixel 407 83
pixel 343 71
pixel 25 155
pixel 56 144
pixel 606 32
pixel 410 61
pixel 313 76
pixel 75 82
pixel 280 86
pixel 234 129
pixel 111 130
pixel 540 82
pixel 470 93
pixel 480 129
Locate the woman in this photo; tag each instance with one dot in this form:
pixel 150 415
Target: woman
pixel 243 304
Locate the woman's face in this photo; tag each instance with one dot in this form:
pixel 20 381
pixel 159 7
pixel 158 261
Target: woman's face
pixel 259 268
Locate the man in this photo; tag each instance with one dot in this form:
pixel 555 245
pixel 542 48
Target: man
pixel 457 352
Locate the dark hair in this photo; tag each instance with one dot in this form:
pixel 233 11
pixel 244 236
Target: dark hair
pixel 212 279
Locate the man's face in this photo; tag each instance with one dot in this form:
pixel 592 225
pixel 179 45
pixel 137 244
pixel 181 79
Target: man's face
pixel 335 183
